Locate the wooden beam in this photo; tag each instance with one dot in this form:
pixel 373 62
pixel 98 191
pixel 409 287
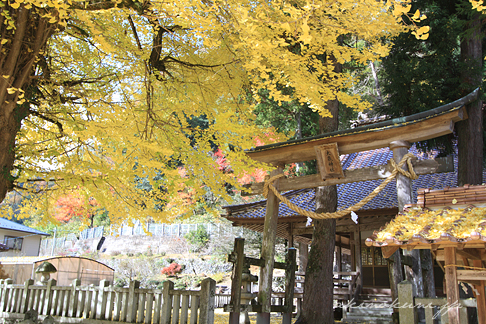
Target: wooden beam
pixel 452 289
pixel 472 254
pixel 354 140
pixel 365 174
pixel 471 274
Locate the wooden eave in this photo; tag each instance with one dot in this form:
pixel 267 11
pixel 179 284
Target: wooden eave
pixel 368 220
pixel 418 127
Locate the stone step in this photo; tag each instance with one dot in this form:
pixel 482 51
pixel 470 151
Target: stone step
pixel 367 319
pixel 356 311
pixel 368 315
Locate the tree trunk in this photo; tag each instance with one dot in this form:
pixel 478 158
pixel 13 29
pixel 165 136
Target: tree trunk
pixel 318 287
pixel 9 127
pixel 17 61
pixel 470 131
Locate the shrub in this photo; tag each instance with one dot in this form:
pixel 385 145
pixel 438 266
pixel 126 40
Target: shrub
pixel 198 239
pixel 172 269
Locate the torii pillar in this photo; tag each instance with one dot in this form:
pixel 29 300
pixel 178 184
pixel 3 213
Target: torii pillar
pixel 268 252
pixel 413 269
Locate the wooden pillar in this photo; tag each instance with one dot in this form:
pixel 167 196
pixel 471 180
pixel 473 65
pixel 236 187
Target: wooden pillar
pixel 404 184
pixel 291 235
pixel 289 285
pixel 359 265
pixel 353 251
pixel 303 256
pixel 235 301
pixel 452 289
pixel 413 272
pixel 268 252
pixel 480 296
pixel 338 250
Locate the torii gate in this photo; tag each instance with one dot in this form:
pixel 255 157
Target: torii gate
pixel 396 133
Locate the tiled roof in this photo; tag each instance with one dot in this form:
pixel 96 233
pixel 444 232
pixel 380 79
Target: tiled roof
pixel 351 193
pixel 424 226
pixel 9 225
pixel 421 225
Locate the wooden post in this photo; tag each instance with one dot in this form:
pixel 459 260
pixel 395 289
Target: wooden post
pixel 291 235
pixel 359 265
pixel 157 305
pixel 452 290
pixel 480 296
pixel 94 301
pixel 48 297
pixel 268 252
pixel 149 308
pixel 167 302
pixel 132 301
pixel 25 296
pixel 4 300
pixel 73 301
pixel 176 306
pixel 404 196
pixel 194 307
pixel 404 184
pixel 428 273
pixel 406 303
pixel 238 265
pixel 206 310
pixel 102 297
pixel 338 251
pixel 289 284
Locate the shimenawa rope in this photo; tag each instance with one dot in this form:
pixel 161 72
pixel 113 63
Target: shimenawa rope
pixel 397 168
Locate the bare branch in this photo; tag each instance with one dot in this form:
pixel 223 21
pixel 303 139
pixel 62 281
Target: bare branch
pixel 56 122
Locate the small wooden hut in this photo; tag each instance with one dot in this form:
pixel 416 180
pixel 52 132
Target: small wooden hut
pixel 452 224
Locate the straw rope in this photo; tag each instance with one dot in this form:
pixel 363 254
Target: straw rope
pixel 397 168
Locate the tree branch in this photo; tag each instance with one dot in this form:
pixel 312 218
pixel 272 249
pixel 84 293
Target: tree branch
pixel 57 123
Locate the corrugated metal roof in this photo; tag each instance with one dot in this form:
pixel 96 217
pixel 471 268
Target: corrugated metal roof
pixel 13 226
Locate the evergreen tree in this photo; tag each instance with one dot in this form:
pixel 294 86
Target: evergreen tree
pixel 423 74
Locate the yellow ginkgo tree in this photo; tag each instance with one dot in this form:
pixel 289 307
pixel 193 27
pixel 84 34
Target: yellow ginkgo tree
pixel 99 95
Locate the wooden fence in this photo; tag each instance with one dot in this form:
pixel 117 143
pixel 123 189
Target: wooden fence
pixel 104 302
pixel 435 308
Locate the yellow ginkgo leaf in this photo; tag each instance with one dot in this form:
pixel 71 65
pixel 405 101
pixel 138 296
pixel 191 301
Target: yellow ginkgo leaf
pixel 11 90
pixel 6 76
pixel 4 41
pixel 416 15
pixel 15 5
pixel 423 30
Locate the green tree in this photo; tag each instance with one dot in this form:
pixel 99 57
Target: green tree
pixel 423 74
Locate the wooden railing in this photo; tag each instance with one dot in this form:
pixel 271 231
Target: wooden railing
pixel 435 308
pixel 104 302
